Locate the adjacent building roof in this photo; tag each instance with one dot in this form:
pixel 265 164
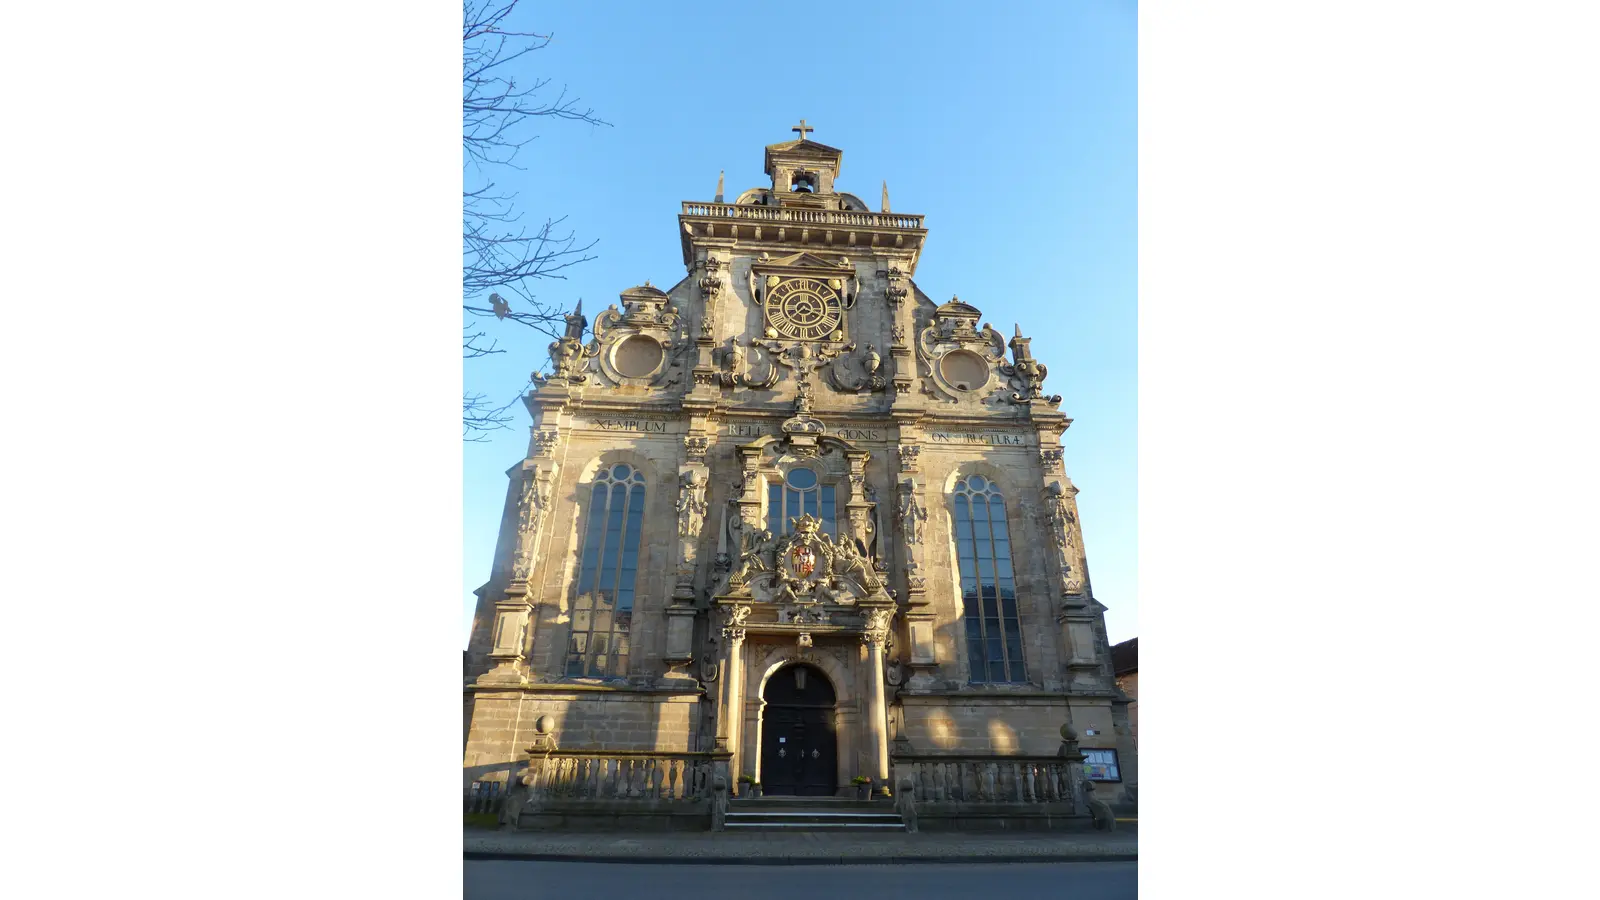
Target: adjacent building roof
pixel 1125 657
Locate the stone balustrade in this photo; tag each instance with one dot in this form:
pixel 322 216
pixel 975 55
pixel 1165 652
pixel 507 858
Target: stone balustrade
pixel 800 216
pixel 991 792
pixel 589 790
pixel 990 779
pixel 622 775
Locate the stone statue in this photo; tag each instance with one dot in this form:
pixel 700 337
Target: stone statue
pixel 848 561
pixel 691 504
pixel 911 514
pixel 830 590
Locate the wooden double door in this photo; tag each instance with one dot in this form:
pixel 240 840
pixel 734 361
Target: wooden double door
pixel 799 747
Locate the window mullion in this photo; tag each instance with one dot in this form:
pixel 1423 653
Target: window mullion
pixel 603 511
pixel 994 572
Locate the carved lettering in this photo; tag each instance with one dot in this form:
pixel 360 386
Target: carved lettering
pixel 976 437
pixel 645 425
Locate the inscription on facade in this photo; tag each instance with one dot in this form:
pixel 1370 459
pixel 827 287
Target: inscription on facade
pixel 647 425
pixel 860 434
pixel 751 429
pixel 976 437
pixel 759 429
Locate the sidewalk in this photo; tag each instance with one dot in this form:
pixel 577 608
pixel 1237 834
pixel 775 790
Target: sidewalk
pixel 801 848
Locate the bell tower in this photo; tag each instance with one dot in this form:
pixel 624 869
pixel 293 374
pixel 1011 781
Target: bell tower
pixel 803 171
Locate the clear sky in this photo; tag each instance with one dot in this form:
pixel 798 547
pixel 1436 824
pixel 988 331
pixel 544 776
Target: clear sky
pixel 1011 126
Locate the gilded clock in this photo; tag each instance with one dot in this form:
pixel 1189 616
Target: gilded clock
pixel 804 309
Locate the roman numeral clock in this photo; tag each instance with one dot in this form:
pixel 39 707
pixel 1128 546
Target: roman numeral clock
pixel 806 309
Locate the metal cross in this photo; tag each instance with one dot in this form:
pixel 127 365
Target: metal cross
pixel 802 129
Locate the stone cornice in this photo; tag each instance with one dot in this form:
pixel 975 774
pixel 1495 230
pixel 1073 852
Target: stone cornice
pixel 797 229
pixel 556 688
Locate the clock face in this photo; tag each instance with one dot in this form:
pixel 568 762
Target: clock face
pixel 804 308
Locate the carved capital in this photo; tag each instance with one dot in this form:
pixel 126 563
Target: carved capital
pixel 875 627
pixel 1050 458
pixel 733 619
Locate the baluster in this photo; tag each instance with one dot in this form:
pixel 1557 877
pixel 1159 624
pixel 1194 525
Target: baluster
pixel 992 778
pixel 657 778
pixel 1020 789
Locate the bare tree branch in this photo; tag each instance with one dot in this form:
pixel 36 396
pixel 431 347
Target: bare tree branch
pixel 501 257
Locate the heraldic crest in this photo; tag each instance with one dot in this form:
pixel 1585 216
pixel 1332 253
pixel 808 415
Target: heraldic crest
pixel 804 565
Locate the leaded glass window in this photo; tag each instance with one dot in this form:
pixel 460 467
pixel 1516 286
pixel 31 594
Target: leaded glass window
pixel 602 610
pixel 800 492
pixel 988 588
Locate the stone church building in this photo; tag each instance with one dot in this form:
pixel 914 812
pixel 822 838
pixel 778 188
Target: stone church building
pixel 793 509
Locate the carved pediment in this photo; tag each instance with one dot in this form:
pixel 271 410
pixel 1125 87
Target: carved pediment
pixel 803 260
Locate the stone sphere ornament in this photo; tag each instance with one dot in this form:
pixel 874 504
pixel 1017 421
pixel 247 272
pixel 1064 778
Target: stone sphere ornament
pixel 543 724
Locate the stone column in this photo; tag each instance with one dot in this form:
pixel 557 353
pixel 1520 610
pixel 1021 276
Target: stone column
pixel 730 715
pixel 875 634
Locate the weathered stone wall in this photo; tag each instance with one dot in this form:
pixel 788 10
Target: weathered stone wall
pixel 502 722
pixel 1022 723
pixel 1129 684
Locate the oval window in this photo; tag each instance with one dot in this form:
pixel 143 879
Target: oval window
pixel 964 370
pixel 801 479
pixel 637 356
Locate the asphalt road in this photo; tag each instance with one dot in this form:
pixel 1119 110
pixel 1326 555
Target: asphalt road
pixel 494 879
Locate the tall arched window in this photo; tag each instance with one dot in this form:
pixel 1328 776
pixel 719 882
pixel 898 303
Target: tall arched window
pixel 799 493
pixel 602 611
pixel 988 590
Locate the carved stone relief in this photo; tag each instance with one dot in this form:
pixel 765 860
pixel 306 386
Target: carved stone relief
pixel 641 344
pixel 957 359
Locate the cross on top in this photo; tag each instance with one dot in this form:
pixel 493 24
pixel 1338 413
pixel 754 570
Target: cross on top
pixel 802 129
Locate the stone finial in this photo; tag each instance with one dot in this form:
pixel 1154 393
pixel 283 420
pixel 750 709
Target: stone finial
pixel 718 198
pixel 885 205
pixel 543 724
pixel 1068 733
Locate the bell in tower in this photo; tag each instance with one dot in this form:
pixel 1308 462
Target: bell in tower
pixel 803 170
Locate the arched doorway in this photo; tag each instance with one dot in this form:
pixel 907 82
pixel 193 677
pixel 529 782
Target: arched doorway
pixel 798 746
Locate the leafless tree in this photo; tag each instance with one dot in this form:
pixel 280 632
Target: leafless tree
pixel 501 256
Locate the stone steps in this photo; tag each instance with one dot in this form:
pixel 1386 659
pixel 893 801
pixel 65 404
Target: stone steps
pixel 812 814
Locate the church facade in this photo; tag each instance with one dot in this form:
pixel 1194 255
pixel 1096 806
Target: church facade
pixel 794 509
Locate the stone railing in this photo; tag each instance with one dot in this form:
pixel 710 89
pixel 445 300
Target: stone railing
pixel 799 216
pixel 622 775
pixel 991 779
pixel 605 790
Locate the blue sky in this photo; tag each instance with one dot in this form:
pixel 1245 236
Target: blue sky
pixel 1013 131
